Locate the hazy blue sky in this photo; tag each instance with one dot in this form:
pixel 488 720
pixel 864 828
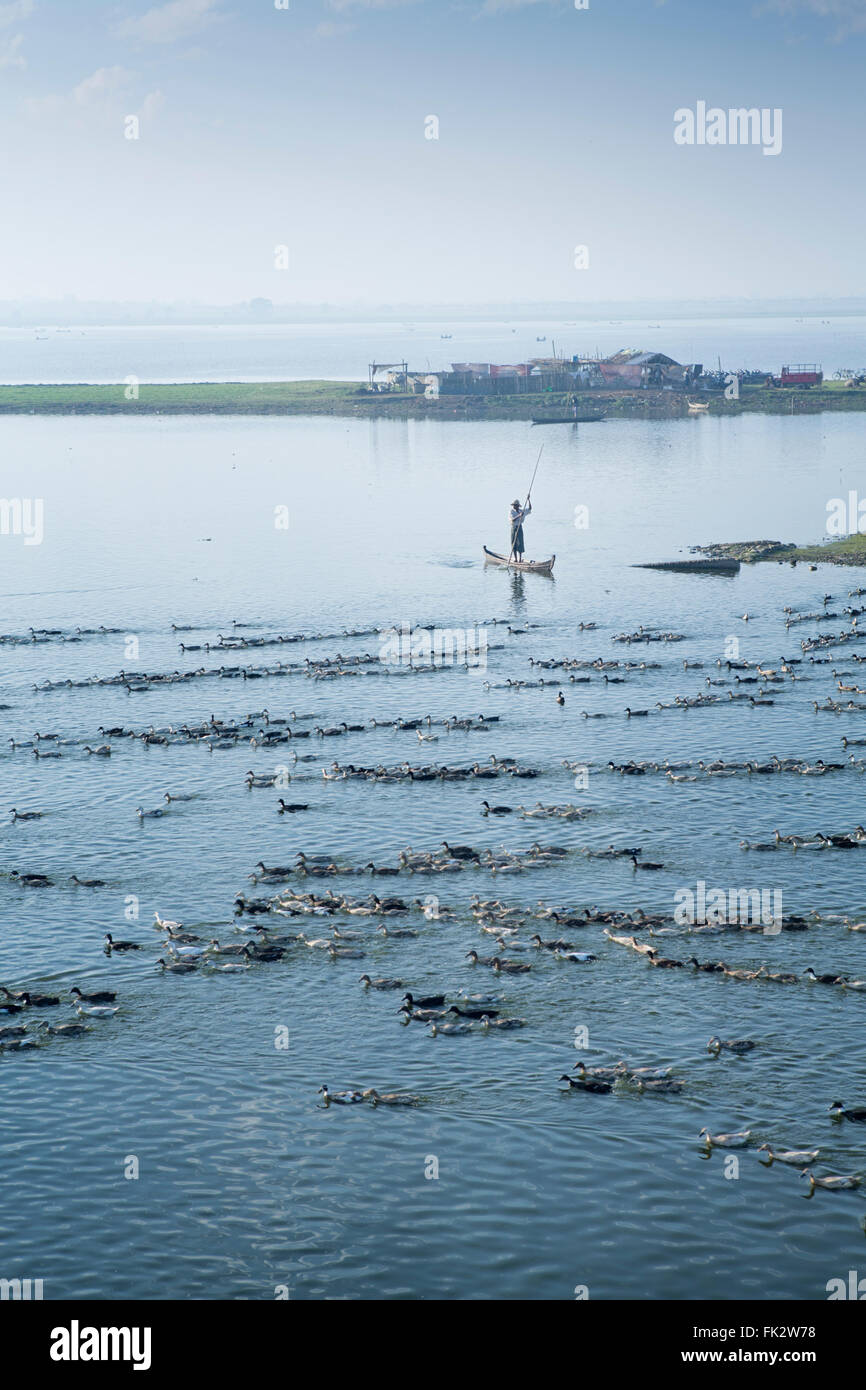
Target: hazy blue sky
pixel 306 127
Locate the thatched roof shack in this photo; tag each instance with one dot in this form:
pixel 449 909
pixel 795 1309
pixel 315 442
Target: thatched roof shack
pixel 636 367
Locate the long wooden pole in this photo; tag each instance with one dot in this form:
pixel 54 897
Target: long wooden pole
pixel 529 493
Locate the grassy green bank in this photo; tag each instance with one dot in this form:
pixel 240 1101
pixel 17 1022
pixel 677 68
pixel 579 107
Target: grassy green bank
pixel 848 550
pixel 352 399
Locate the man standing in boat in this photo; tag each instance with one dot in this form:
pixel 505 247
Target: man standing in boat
pixel 517 516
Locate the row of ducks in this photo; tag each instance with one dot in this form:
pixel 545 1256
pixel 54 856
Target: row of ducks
pixel 720 767
pixel 371 664
pixel 599 663
pixel 430 772
pixel 40 635
pixel 235 641
pixel 804 1159
pixel 249 729
pixel 28 879
pixel 847 839
pixel 647 634
pixel 47 634
pixel 539 811
pixel 720 967
pixel 455 859
pixel 370 1095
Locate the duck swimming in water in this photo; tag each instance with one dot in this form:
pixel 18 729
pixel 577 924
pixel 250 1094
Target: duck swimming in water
pixel 716 1045
pixel 38 1001
pixel 835 1182
pixel 839 1112
pixel 99 996
pixel 462 852
pixel 430 1001
pixel 390 1098
pixel 478 960
pixel 340 1097
pixel 513 967
pixel 598 1088
pixel 112 945
pixel 738 1140
pixel 177 967
pixel 585 1073
pixel 796 1157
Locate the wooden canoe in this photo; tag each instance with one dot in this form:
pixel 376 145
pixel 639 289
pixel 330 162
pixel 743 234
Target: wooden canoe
pixel 566 419
pixel 531 566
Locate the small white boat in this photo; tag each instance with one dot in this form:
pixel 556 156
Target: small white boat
pixel 698 406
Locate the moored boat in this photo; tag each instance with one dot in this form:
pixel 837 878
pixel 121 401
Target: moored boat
pixel 709 565
pixel 566 419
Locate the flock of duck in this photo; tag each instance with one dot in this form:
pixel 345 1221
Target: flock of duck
pixel 522 940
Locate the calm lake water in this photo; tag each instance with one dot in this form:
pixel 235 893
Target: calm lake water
pixel 246 1183
pixel 288 352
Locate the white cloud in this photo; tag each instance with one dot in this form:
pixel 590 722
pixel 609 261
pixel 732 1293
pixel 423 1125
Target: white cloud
pixel 331 29
pixel 10 49
pixel 104 96
pixel 153 102
pixel 501 6
pixel 341 5
pixel 168 23
pixel 849 15
pixel 10 56
pixel 14 13
pixel 105 82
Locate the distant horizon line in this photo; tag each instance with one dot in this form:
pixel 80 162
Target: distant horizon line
pixel 70 311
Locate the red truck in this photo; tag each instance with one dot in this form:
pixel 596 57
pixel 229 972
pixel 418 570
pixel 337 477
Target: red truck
pixel 800 374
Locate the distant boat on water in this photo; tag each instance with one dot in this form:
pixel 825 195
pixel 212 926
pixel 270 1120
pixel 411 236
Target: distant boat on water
pixel 566 419
pixel 697 406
